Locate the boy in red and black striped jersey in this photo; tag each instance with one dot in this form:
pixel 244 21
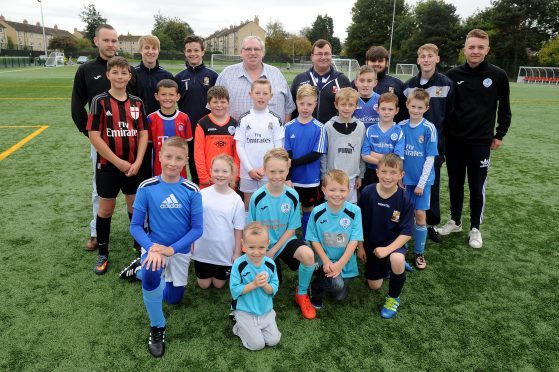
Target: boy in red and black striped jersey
pixel 214 134
pixel 117 129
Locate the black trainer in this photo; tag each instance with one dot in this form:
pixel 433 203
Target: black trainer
pixel 129 272
pixel 434 234
pixel 156 341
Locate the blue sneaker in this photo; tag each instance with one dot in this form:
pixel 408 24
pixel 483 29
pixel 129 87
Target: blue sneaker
pixel 390 307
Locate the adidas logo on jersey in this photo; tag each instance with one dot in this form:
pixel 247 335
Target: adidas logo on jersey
pixel 171 202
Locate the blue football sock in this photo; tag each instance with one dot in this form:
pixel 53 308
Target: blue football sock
pixel 304 223
pixel 305 276
pixel 154 305
pixel 419 237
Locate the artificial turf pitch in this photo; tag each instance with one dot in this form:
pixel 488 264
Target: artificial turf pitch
pixel 489 309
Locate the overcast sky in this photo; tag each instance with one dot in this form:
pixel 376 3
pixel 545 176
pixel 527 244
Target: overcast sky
pixel 205 17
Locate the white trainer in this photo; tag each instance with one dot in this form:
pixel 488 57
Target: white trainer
pixel 475 238
pixel 449 227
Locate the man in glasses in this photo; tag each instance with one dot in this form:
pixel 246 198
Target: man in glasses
pixel 239 77
pixel 325 78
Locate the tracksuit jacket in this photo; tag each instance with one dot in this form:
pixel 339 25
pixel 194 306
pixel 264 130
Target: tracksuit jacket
pixel 147 81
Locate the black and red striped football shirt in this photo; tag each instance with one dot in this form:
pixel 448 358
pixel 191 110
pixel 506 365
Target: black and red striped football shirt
pixel 119 123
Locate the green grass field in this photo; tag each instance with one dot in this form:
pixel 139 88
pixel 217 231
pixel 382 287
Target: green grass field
pixel 492 309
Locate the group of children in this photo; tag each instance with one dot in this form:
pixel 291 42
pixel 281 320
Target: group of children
pixel 286 173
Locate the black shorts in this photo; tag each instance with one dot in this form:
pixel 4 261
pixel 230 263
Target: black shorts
pixel 288 253
pixel 376 268
pixel 110 180
pixel 205 270
pixel 310 196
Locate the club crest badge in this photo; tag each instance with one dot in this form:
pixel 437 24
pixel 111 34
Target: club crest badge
pixel 134 112
pixel 394 136
pixel 345 222
pixel 231 130
pixel 334 89
pixel 391 89
pixel 439 91
pixel 395 216
pixel 285 208
pixel 421 139
pixel 270 125
pixel 487 82
pixel 181 128
pixel 206 80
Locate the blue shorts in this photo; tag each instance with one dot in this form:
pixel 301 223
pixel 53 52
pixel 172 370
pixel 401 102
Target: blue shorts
pixel 420 203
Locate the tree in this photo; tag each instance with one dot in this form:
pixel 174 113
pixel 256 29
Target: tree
pixel 171 32
pixel 276 39
pixel 372 23
pixel 92 18
pixel 549 53
pixel 68 44
pixel 299 44
pixel 428 19
pixel 323 28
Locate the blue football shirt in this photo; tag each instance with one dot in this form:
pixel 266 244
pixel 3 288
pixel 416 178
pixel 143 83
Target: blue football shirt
pixel 376 140
pixel 421 142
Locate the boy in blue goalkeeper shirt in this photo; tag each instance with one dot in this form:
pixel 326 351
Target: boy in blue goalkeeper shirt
pixel 253 283
pixel 174 208
pixel 382 138
pixel 419 174
pixel 277 207
pixel 333 231
pixel 365 82
pixel 305 141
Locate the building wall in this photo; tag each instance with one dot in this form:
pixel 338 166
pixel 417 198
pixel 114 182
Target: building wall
pixel 230 43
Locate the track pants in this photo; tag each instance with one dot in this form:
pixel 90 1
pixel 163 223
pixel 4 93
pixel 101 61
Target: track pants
pixel 473 160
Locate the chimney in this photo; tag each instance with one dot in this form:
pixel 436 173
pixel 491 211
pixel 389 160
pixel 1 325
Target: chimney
pixel 256 20
pixel 38 24
pixel 75 30
pixel 55 27
pixel 2 18
pixel 25 22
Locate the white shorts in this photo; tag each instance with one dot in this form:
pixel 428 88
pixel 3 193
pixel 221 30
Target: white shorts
pixel 176 268
pixel 250 185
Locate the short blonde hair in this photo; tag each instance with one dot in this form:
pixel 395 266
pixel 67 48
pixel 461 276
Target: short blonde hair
pixel 149 40
pixel 277 153
pixel 419 94
pixel 306 90
pixel 231 163
pixel 175 142
pixel 261 82
pixel 254 228
pixel 346 94
pixel 429 47
pixel 335 175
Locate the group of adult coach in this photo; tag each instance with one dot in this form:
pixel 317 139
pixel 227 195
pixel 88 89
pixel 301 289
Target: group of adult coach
pixel 480 91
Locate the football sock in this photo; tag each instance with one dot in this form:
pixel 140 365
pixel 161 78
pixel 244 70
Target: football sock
pixel 396 284
pixel 154 305
pixel 304 223
pixel 171 294
pixel 103 232
pixel 136 244
pixel 419 237
pixel 305 276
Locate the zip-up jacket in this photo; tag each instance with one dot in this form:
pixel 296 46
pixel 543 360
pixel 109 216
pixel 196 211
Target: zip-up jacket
pixel 481 96
pixel 147 81
pixel 325 108
pixel 194 83
pixel 89 81
pixel 441 93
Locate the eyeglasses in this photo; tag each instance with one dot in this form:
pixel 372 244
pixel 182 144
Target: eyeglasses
pixel 250 50
pixel 320 55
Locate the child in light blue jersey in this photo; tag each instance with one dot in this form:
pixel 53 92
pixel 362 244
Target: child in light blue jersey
pixel 174 208
pixel 419 174
pixel 334 231
pixel 365 82
pixel 277 207
pixel 305 141
pixel 382 138
pixel 253 284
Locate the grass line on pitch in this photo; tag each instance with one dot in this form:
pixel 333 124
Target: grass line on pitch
pixel 20 144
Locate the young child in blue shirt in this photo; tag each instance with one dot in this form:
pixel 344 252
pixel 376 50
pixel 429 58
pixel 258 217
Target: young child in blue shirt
pixel 387 227
pixel 333 231
pixel 277 207
pixel 419 174
pixel 382 138
pixel 253 284
pixel 306 140
pixel 174 208
pixel 367 105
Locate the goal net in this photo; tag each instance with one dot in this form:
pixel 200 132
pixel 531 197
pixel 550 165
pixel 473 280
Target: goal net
pixel 538 75
pixel 220 61
pixel 349 67
pixel 55 59
pixel 409 69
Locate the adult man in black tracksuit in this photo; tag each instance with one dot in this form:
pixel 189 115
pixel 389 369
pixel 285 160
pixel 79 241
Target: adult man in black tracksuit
pixel 441 93
pixel 481 96
pixel 325 78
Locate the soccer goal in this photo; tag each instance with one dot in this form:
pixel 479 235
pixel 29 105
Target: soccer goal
pixel 224 60
pixel 538 75
pixel 55 59
pixel 410 69
pixel 349 67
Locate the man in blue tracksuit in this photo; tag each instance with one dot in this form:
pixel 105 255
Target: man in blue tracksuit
pixel 441 93
pixel 325 78
pixel 194 82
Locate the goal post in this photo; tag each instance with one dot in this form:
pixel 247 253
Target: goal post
pixel 538 75
pixel 409 69
pixel 348 67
